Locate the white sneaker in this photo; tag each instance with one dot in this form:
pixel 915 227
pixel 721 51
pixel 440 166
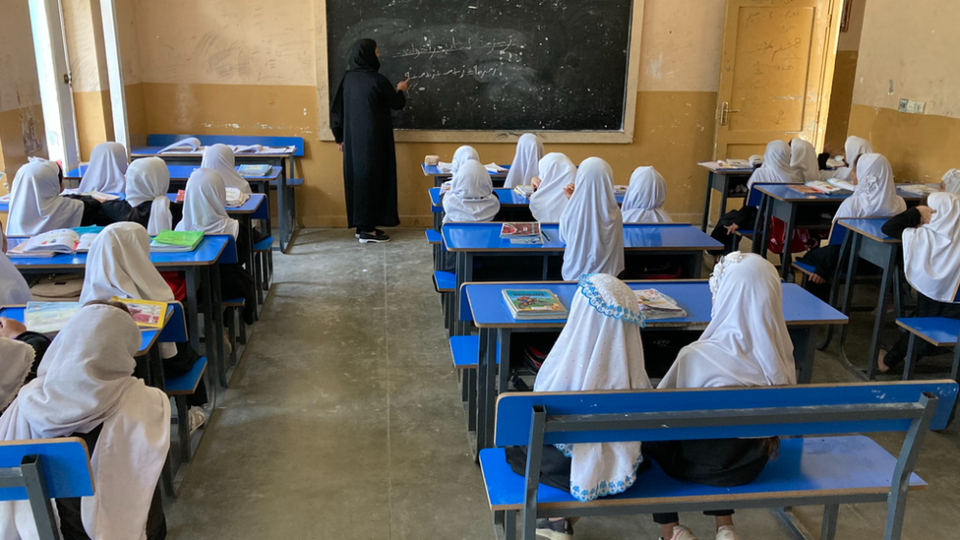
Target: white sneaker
pixel 727 532
pixel 682 533
pixel 196 418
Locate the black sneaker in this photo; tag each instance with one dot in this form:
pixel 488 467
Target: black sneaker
pixel 378 232
pixel 371 238
pixel 554 530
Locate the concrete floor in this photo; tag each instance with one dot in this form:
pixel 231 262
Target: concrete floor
pixel 344 420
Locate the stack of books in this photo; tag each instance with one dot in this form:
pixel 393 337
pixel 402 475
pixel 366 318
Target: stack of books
pixel 524 191
pixel 534 304
pixel 655 305
pixel 522 233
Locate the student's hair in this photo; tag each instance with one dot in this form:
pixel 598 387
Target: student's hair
pixel 771 446
pixel 118 305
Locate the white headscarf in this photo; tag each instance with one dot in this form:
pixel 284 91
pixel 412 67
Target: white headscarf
pixel 645 197
pixel 108 164
pixel 853 149
pixel 16 359
pixel 875 194
pixel 462 155
pixel 526 164
pixel 148 179
pixel 599 349
pixel 35 202
pixel 747 342
pixel 951 181
pixel 931 252
pixel 204 205
pixel 548 201
pixel 220 158
pixel 591 225
pixel 803 159
pixel 83 383
pixel 776 167
pixel 471 196
pixel 13 288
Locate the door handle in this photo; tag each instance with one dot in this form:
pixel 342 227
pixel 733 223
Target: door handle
pixel 725 110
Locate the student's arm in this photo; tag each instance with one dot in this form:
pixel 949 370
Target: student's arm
pixel 15 330
pixel 92 210
pixel 895 226
pixel 117 211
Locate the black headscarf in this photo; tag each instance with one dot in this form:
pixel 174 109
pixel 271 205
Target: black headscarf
pixel 363 56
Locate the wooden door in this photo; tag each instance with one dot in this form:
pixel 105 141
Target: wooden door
pixel 775 73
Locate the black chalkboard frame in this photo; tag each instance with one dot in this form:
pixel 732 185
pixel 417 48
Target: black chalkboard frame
pixel 623 136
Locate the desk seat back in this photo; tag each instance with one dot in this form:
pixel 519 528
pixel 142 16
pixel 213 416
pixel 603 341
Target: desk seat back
pixel 229 255
pixel 754 197
pixel 158 139
pixel 874 407
pixel 837 234
pixel 65 463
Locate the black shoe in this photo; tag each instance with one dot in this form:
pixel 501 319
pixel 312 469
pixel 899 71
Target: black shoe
pixel 554 530
pixel 378 232
pixel 373 238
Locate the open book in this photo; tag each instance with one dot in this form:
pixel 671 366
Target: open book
pixel 51 243
pixel 96 195
pixel 260 149
pixel 493 168
pixel 445 167
pixel 183 146
pixel 146 313
pixel 48 317
pixel 522 233
pixel 842 184
pixel 236 198
pixel 176 241
pixel 655 305
pixel 919 189
pixel 824 187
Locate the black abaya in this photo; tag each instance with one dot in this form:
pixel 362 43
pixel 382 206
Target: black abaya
pixel 361 119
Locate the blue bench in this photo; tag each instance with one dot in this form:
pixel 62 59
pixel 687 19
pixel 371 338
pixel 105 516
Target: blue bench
pixel 939 332
pixel 44 469
pixel 434 237
pixel 179 388
pixel 754 199
pixel 263 266
pixel 821 469
pixel 233 308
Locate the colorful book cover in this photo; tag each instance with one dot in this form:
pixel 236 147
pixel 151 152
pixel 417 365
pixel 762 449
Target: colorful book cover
pixel 48 317
pixel 514 229
pixel 536 302
pixel 146 313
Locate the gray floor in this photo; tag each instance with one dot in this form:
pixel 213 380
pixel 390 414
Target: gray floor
pixel 344 420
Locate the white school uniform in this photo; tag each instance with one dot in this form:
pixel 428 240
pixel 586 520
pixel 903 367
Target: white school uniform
pixel 591 225
pixel 645 196
pixel 526 163
pixel 86 380
pixel 205 205
pixel 951 181
pixel 776 167
pixel 599 349
pixel 853 149
pixel 108 165
pixel 220 158
pixel 876 192
pixel 747 342
pixel 13 288
pixel 16 359
pixel 471 196
pixel 148 179
pixel 35 202
pixel 803 158
pixel 931 252
pixel 548 202
pixel 463 155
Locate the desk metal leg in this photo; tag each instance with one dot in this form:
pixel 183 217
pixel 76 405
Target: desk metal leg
pixel 217 329
pixel 848 290
pixel 787 260
pixel 804 352
pixel 503 366
pixel 759 226
pixel 282 210
pixel 485 387
pixel 768 213
pixel 697 262
pixel 889 270
pixel 193 317
pixel 706 202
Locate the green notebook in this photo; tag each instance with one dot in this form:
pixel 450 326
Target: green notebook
pixel 176 241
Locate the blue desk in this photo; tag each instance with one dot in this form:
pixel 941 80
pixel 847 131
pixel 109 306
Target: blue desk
pixel 200 269
pixel 865 240
pixel 149 363
pixel 440 177
pixel 803 313
pixel 801 211
pixel 731 183
pixel 509 199
pixel 181 173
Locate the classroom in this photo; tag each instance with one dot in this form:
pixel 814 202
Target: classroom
pixel 539 270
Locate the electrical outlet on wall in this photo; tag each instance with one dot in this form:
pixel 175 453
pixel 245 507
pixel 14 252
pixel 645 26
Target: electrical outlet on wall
pixel 910 106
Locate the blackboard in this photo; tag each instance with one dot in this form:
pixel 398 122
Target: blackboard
pixel 485 65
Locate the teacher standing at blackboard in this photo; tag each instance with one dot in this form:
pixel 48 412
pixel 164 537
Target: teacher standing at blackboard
pixel 361 121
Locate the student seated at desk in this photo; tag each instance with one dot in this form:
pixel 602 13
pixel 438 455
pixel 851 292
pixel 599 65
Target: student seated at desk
pixel 746 344
pixel 204 209
pixel 85 388
pixel 776 169
pixel 220 158
pixel 470 199
pixel 931 257
pixel 645 196
pixel 526 163
pixel 951 182
pixel 875 196
pixel 119 265
pixel 16 361
pixel 803 159
pixel 854 148
pixel 549 200
pixel 599 349
pixel 148 180
pixel 591 226
pixel 37 207
pixel 108 165
pixel 463 155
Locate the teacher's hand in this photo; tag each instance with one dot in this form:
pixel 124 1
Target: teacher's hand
pixel 340 146
pixel 403 86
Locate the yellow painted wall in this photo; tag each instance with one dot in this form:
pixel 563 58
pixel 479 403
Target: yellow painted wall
pixel 908 50
pixel 21 120
pixel 844 79
pixel 246 67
